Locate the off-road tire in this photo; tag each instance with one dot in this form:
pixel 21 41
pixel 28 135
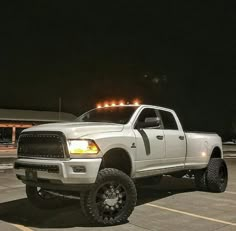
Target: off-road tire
pixel 83 201
pixel 214 178
pixel 124 196
pixel 201 180
pixel 41 202
pixel 217 175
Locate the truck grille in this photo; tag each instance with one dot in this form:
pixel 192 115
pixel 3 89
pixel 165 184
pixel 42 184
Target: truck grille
pixel 43 145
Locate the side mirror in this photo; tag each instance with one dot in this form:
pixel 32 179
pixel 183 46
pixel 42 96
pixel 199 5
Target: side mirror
pixel 150 122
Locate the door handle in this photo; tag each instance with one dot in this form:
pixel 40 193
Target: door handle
pixel 181 137
pixel 159 137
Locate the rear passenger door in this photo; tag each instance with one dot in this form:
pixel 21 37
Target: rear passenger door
pixel 175 141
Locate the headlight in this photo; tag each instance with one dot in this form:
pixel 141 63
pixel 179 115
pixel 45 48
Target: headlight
pixel 83 147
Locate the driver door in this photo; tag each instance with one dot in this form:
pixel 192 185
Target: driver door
pixel 150 144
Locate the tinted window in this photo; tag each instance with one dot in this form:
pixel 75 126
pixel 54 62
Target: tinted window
pixel 168 120
pixel 119 115
pixel 5 135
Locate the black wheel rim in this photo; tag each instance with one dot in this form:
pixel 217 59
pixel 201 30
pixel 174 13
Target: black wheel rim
pixel 110 199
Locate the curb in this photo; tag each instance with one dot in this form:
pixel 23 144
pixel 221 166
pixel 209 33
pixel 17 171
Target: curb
pixel 230 152
pixel 6 168
pixel 230 156
pixel 5 160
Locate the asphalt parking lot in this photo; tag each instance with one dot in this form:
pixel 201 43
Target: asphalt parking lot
pixel 173 205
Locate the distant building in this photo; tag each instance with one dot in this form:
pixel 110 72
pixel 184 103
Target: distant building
pixel 13 122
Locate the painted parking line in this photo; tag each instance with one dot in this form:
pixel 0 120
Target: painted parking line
pixel 21 227
pixel 191 214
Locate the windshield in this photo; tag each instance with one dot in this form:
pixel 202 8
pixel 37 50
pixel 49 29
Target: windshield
pixel 120 115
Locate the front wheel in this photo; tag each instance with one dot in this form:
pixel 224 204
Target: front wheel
pixel 111 199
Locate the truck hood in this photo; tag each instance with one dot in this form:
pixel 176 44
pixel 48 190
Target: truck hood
pixel 74 130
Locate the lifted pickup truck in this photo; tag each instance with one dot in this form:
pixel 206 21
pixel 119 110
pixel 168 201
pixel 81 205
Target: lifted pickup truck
pixel 100 156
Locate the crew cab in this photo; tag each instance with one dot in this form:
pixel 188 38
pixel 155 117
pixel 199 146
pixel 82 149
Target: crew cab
pixel 101 155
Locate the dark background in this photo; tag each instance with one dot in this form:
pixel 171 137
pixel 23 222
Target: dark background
pixel 178 54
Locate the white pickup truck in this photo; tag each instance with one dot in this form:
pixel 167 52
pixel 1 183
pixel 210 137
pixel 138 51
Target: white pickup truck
pixel 101 155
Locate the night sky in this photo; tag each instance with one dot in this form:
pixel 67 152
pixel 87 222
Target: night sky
pixel 178 54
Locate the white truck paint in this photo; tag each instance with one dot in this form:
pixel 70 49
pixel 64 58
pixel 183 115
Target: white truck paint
pixel 168 155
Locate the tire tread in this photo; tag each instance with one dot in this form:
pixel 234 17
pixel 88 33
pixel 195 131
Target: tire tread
pixel 106 174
